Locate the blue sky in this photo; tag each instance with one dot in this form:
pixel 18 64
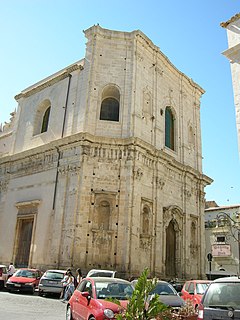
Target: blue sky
pixel 40 37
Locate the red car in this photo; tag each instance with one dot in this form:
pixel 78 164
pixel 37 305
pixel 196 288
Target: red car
pixel 193 290
pixel 88 300
pixel 24 280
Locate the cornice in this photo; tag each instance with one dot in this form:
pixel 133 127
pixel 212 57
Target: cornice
pixel 231 20
pixel 42 85
pixel 30 203
pixel 232 53
pixel 136 148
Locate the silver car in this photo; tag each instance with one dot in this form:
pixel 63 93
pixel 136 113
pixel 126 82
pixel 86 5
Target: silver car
pixel 221 300
pixel 50 282
pixel 168 295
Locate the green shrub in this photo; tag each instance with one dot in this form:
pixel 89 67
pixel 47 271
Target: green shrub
pixel 139 306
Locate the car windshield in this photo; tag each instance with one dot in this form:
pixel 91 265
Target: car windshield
pixel 163 289
pixel 54 275
pixel 201 287
pixel 223 295
pixel 26 274
pixel 118 290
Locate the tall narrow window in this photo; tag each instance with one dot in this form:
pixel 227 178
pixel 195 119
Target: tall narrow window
pixel 169 129
pixel 45 120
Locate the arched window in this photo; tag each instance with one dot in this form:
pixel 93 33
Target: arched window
pixel 110 104
pixel 42 116
pixel 110 109
pixel 169 129
pixel 45 120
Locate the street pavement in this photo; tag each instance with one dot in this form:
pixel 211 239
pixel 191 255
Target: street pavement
pixel 20 306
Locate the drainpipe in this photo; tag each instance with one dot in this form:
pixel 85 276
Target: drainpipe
pixel 63 127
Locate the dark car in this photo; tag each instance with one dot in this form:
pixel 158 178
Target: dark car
pixel 24 280
pixel 88 301
pixel 3 276
pixel 221 300
pixel 51 282
pixel 168 295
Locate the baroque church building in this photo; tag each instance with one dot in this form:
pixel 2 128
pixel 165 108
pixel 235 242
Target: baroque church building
pixel 101 165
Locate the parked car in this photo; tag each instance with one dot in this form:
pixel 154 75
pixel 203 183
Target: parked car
pixel 134 282
pixel 221 300
pixel 3 276
pixel 193 290
pixel 101 273
pixel 24 280
pixel 168 295
pixel 50 282
pixel 88 300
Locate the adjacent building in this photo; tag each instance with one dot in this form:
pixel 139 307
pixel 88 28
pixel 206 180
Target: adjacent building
pixel 222 232
pixel 233 54
pixel 101 165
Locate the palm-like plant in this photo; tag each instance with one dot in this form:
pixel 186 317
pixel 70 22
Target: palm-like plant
pixel 140 307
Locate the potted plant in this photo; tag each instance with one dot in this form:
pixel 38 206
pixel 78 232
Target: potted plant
pixel 186 312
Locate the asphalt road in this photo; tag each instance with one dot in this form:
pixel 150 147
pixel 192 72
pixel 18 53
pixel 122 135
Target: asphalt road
pixel 17 306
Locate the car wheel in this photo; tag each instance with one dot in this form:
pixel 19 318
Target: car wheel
pixel 92 318
pixel 1 284
pixel 69 313
pixel 40 293
pixel 32 290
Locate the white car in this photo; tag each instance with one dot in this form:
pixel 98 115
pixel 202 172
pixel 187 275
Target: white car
pixel 101 273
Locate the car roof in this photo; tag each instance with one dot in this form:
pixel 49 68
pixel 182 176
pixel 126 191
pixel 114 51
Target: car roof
pixel 56 270
pixel 163 282
pixel 108 279
pixel 227 279
pixel 199 281
pixel 2 266
pixel 100 271
pixel 30 269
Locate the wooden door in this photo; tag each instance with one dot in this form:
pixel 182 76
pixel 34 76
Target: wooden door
pixel 170 250
pixel 24 242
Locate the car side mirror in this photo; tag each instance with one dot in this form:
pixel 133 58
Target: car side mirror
pixel 86 295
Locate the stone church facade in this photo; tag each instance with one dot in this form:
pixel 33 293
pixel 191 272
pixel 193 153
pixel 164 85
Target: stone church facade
pixel 101 165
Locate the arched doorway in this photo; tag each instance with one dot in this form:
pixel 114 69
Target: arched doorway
pixel 170 250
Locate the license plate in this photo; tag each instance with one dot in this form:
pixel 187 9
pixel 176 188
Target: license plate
pixel 17 285
pixel 51 282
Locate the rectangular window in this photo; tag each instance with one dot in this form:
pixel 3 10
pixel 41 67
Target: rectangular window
pixel 221 239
